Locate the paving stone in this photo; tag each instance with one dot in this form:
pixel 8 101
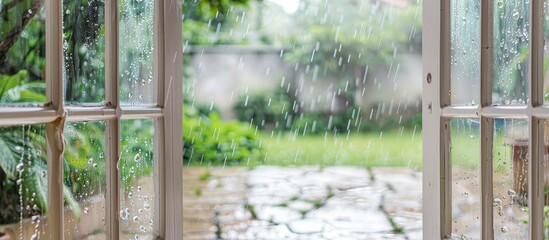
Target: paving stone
pixel 276 214
pixel 306 226
pixel 301 203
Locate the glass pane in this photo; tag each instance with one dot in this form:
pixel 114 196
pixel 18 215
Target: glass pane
pixel 22 53
pixel 85 180
pixel 546 50
pixel 136 51
pixel 137 194
pixel 465 50
pixel 511 26
pixel 84 50
pixel 466 195
pixel 510 156
pixel 23 182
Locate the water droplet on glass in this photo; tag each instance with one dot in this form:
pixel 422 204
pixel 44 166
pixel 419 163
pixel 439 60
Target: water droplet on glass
pixel 497 202
pixel 146 206
pixel 34 236
pixel 90 160
pixel 19 181
pixel 143 229
pixel 139 188
pixel 95 165
pixel 20 167
pixel 516 14
pixel 125 214
pixel 504 229
pixel 86 210
pixel 137 157
pixel 35 218
pixel 511 193
pixel 136 219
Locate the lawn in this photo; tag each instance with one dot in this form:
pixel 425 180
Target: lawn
pixel 383 149
pixel 367 150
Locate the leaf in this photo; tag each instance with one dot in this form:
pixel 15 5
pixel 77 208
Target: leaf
pixel 8 162
pixel 9 82
pixel 71 201
pixel 30 92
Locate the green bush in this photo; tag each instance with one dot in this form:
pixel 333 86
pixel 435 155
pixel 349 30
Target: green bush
pixel 265 111
pixel 209 140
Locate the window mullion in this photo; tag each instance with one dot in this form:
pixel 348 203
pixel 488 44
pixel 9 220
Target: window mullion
pixel 171 99
pixel 112 138
pixel 159 127
pixel 536 149
pixel 486 123
pixel 54 129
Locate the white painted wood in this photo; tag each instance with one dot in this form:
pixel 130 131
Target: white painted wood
pixel 54 129
pixel 112 133
pixel 432 145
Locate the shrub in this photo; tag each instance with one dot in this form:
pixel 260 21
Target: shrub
pixel 265 111
pixel 209 140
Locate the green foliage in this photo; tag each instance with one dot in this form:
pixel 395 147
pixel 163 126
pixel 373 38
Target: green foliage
pixel 15 89
pixel 209 140
pixel 345 48
pixel 203 21
pixel 264 110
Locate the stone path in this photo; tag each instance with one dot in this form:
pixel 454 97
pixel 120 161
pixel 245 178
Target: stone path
pixel 302 203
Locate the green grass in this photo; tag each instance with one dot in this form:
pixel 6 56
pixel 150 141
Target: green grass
pixel 366 150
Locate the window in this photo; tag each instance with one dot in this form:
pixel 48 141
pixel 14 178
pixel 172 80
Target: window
pixel 499 103
pixel 110 113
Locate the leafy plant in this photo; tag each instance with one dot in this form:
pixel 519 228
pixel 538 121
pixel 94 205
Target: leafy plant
pixel 23 155
pixel 209 140
pixel 266 111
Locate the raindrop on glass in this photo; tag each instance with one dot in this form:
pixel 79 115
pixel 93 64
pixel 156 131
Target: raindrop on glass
pixel 504 229
pixel 20 167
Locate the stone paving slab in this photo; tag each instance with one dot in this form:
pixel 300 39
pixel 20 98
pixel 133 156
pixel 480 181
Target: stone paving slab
pixel 301 203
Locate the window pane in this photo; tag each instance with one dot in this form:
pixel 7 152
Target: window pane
pixel 137 194
pixel 546 50
pixel 85 180
pixel 465 50
pixel 510 63
pixel 84 50
pixel 23 182
pixel 466 195
pixel 22 53
pixel 510 156
pixel 136 51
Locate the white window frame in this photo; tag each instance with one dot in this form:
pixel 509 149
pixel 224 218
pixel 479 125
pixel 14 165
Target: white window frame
pixel 166 113
pixel 437 112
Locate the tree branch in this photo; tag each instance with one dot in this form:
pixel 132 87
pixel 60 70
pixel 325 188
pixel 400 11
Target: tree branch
pixel 11 38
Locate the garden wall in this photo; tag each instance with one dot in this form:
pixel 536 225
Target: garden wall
pixel 222 74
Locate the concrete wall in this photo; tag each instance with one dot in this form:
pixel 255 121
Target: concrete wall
pixel 222 74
